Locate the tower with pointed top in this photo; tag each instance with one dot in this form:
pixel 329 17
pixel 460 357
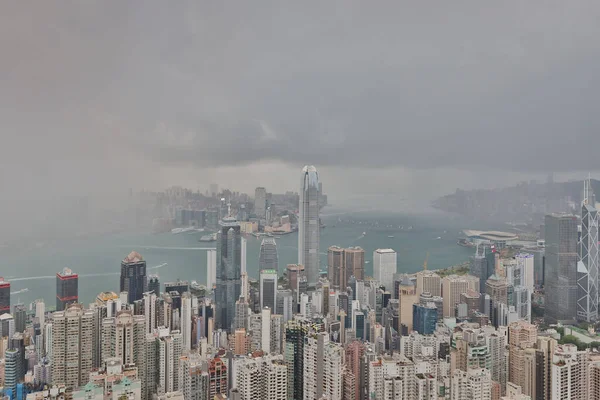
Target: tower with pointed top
pixel 229 272
pixel 308 224
pixel 587 265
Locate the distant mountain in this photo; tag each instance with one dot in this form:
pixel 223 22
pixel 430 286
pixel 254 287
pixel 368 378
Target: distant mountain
pixel 526 202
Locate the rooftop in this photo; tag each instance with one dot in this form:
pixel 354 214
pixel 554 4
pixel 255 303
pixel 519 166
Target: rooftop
pixel 490 235
pixel 133 257
pixel 385 251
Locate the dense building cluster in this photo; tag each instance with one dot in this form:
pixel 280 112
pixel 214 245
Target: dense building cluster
pixel 302 334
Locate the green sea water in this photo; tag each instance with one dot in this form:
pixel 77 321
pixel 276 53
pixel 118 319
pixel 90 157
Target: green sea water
pixel 32 269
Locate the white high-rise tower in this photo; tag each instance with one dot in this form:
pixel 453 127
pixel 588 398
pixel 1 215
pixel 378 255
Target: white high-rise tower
pixel 587 266
pixel 308 224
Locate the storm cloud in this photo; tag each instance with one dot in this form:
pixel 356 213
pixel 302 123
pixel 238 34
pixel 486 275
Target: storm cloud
pixel 97 93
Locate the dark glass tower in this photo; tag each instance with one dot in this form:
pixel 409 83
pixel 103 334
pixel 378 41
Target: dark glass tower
pixel 4 296
pixel 229 271
pixel 67 289
pixel 133 277
pixel 295 333
pixel 154 284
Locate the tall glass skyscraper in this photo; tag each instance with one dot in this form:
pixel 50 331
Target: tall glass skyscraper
pixel 308 224
pixel 133 277
pixel 229 271
pixel 561 267
pixel 268 258
pixel 587 267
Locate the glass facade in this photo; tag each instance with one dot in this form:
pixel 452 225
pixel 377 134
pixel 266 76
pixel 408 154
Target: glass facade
pixel 308 224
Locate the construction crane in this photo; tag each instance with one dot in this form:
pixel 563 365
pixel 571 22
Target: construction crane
pixel 425 262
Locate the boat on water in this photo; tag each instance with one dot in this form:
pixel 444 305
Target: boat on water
pixel 208 238
pixel 175 231
pixel 364 234
pixel 465 243
pixel 391 236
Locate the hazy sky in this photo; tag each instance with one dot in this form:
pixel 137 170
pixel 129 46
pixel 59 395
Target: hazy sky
pixel 398 97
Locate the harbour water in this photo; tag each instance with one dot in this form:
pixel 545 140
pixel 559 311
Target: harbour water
pixel 181 256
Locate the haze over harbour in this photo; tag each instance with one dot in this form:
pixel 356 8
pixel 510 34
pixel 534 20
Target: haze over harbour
pixel 97 260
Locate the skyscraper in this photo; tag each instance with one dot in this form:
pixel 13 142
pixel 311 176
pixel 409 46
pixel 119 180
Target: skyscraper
pixel 123 337
pixel 268 258
pixel 4 296
pixel 344 263
pixel 384 267
pixel 229 270
pixel 587 266
pixel 260 202
pixel 133 277
pixel 322 367
pixel 154 284
pixel 308 224
pixel 72 345
pixel 67 288
pixel 268 289
pixel 295 334
pixel 20 316
pixel 211 269
pixel 561 267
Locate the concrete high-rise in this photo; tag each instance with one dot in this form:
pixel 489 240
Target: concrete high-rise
pixel 344 263
pixel 322 369
pixel 561 267
pixel 587 266
pixel 452 287
pixel 474 384
pixel 72 345
pixel 309 224
pixel 384 267
pixel 268 258
pixel 4 296
pixel 268 289
pixel 123 337
pixel 260 202
pixel 211 269
pixel 430 282
pixel 229 270
pixel 67 288
pixel 133 277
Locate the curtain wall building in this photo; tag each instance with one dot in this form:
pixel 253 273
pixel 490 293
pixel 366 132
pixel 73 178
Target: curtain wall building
pixel 308 224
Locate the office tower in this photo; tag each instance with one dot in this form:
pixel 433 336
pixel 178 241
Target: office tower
pixel 497 288
pixel 342 264
pixel 268 258
pixel 472 299
pixel 526 267
pixel 429 281
pixel 211 269
pixel 295 333
pixel 20 316
pixel 193 380
pixel 424 318
pixel 309 224
pixel 408 297
pixel 561 267
pixel 438 301
pixel 133 277
pixel 587 266
pixel 123 337
pixel 186 321
pixel 322 369
pixel 72 345
pixel 294 274
pixel 154 284
pixel 11 369
pixel 335 267
pixel 522 302
pixel 268 288
pixel 354 262
pixel 260 202
pixel 265 330
pixel 384 267
pixel 217 378
pixel 67 292
pixel 178 286
pixel 4 296
pixel 243 243
pixel 17 342
pixel 229 269
pixel 474 384
pixel 452 287
pixel 483 265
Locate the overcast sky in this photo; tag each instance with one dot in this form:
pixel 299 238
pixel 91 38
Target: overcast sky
pixel 410 98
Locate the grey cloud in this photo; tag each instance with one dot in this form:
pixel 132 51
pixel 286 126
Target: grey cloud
pixel 394 84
